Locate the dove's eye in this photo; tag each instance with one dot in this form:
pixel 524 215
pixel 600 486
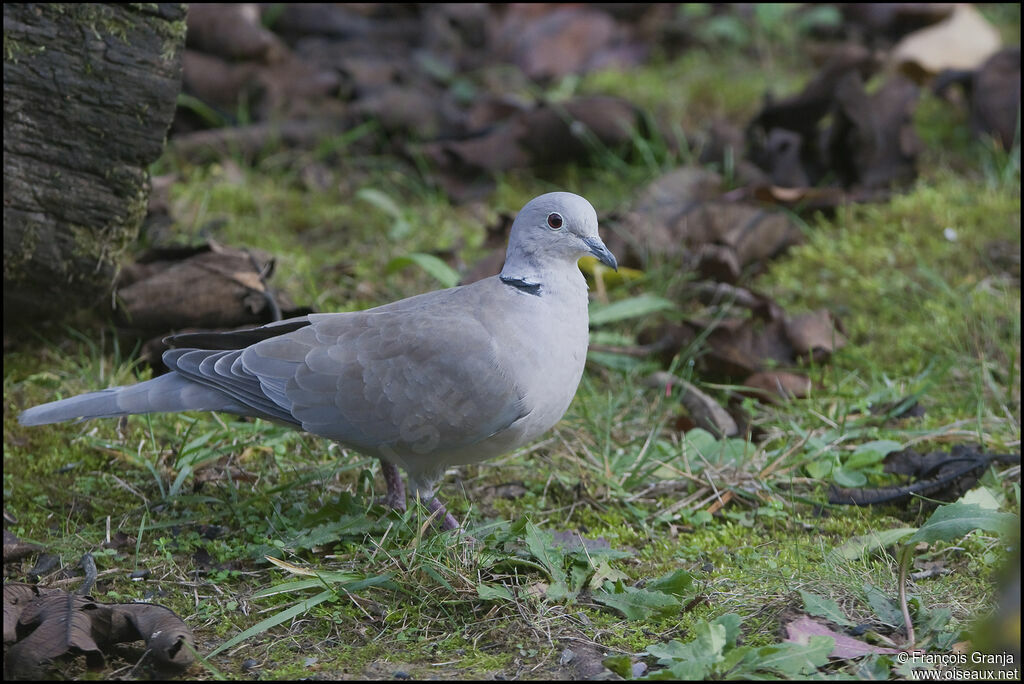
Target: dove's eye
pixel 554 220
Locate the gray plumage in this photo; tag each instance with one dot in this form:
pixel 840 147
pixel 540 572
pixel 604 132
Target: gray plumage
pixel 443 378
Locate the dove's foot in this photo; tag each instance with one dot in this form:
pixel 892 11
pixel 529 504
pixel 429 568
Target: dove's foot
pixel 395 498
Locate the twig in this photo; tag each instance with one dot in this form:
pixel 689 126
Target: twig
pixel 88 564
pixel 904 562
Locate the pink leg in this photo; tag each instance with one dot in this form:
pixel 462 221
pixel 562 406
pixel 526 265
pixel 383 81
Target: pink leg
pixel 395 498
pixel 448 521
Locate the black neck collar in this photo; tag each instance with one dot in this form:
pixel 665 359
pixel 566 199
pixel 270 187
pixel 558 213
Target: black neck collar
pixel 522 285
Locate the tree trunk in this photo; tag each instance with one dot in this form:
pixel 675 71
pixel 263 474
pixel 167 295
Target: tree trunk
pixel 89 93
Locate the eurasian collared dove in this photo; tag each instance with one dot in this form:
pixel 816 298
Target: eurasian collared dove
pixel 443 378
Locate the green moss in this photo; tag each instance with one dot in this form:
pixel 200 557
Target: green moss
pixel 701 86
pixel 913 283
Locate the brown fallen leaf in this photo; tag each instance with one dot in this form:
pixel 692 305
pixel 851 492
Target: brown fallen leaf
pixel 775 386
pixel 656 225
pixel 286 88
pixel 815 335
pixel 872 142
pixel 48 626
pixel 216 82
pixel 556 133
pixel 16 596
pixel 42 625
pixel 994 93
pixel 706 413
pixel 234 31
pixel 798 117
pixel 804 198
pixel 558 42
pixel 929 569
pixel 415 110
pixel 723 294
pixel 757 235
pixel 995 97
pixel 739 347
pixel 719 263
pixel 15 549
pixel 684 213
pixel 213 287
pixel 964 40
pixel 800 631
pixel 548 134
pixel 296 20
pixel 120 540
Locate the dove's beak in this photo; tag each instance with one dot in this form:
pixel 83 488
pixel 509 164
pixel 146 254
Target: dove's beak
pixel 602 253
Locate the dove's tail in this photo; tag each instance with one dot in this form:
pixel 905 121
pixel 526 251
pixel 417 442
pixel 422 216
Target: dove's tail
pixel 168 393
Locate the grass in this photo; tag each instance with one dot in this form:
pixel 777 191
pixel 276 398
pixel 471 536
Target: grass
pixel 205 499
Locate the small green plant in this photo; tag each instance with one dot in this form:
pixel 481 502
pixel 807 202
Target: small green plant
pixel 664 596
pixel 715 653
pixel 947 523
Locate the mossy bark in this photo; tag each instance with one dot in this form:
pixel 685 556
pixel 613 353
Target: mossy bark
pixel 89 93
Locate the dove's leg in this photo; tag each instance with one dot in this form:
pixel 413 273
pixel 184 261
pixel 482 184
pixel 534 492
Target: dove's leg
pixel 395 498
pixel 446 519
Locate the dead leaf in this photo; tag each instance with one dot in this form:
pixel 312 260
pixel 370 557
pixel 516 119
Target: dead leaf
pixel 724 294
pixel 683 212
pixel 994 93
pixel 42 625
pixel 234 31
pixel 815 335
pixel 119 540
pixel 739 347
pixel 49 626
pixel 872 142
pixel 571 540
pixel 962 41
pixel 216 82
pixel 556 133
pixel 15 549
pixel 216 287
pixel 929 569
pixel 756 234
pixel 704 410
pixel 807 199
pixel 16 596
pixel 775 386
pixel 800 631
pixel 405 108
pixel 304 19
pixel 548 134
pixel 798 118
pixel 995 97
pixel 559 42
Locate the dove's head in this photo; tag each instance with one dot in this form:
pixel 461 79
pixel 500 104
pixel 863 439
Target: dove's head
pixel 556 226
